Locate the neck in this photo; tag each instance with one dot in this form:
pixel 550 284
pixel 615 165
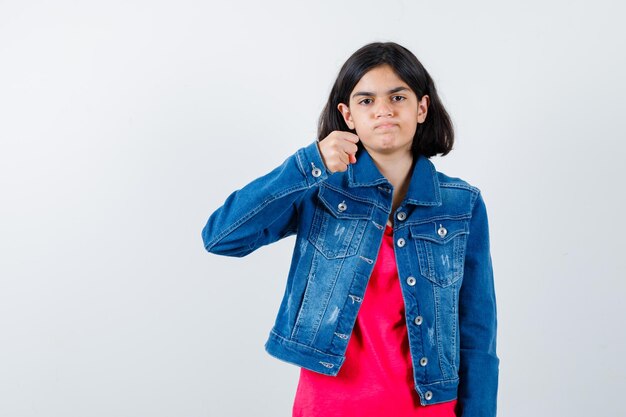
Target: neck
pixel 395 167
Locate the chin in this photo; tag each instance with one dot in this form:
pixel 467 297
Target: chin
pixel 388 141
pixel 386 145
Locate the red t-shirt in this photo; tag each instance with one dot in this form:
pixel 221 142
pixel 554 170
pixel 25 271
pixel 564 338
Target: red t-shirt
pixel 376 379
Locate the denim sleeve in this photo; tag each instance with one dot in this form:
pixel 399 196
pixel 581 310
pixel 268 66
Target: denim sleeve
pixel 478 373
pixel 265 210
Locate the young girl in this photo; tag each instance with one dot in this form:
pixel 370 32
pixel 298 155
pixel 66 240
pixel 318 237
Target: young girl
pixel 389 307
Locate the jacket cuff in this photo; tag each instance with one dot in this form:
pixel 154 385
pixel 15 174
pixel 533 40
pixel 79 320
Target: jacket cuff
pixel 312 164
pixel 478 387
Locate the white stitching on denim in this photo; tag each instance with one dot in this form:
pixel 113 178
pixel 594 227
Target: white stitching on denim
pixel 341 335
pixel 355 298
pixel 368 260
pixel 379 226
pixel 326 364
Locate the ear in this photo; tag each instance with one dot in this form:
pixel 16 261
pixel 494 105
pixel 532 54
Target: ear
pixel 422 108
pixel 347 116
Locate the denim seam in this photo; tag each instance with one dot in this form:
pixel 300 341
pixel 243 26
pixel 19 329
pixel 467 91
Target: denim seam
pixel 253 212
pixel 439 241
pixel 421 203
pixel 441 381
pixel 370 209
pixel 473 201
pixel 375 202
pixel 299 160
pixel 290 341
pixel 438 325
pixel 455 310
pixel 406 292
pixel 464 216
pixel 367 184
pixel 422 261
pixel 460 246
pixel 436 183
pixel 434 218
pixel 361 199
pixel 459 185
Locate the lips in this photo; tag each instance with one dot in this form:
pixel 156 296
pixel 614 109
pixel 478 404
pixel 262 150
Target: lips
pixel 385 126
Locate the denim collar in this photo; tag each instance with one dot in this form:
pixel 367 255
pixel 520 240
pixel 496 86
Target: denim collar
pixel 424 186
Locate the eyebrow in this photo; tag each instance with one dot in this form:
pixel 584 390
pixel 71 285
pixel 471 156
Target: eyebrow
pixel 367 93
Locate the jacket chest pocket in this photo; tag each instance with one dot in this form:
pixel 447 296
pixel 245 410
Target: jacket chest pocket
pixel 441 248
pixel 338 223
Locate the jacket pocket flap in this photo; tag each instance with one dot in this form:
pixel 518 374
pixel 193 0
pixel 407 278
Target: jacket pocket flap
pixel 440 231
pixel 344 206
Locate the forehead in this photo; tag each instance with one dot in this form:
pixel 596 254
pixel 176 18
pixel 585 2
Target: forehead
pixel 380 80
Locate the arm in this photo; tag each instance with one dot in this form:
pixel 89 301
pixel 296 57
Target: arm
pixel 264 210
pixel 478 373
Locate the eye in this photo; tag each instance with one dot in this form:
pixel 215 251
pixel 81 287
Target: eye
pixel 400 98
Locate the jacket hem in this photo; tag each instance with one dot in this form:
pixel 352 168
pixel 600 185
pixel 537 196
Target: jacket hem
pixel 441 391
pixel 302 355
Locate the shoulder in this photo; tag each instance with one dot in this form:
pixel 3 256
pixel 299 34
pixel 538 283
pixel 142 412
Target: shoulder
pixel 455 182
pixel 457 187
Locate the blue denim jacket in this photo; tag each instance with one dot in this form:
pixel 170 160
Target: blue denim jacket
pixel 442 254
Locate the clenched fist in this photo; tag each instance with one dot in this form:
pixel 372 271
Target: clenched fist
pixel 338 149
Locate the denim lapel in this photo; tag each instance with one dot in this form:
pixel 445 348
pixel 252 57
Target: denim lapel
pixel 423 188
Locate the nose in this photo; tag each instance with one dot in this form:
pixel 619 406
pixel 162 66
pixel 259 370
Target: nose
pixel 383 109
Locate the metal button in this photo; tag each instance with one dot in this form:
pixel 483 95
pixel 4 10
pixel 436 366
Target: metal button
pixel 424 361
pixel 401 215
pixel 342 206
pixel 316 172
pixel 428 395
pixel 401 242
pixel 410 281
pixel 418 320
pixel 442 231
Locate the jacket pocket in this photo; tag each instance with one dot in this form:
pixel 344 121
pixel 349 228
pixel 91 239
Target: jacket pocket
pixel 338 223
pixel 440 246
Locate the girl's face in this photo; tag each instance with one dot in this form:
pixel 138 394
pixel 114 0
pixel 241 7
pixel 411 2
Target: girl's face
pixel 384 111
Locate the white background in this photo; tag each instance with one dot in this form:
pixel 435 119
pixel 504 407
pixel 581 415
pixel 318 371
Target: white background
pixel 124 124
